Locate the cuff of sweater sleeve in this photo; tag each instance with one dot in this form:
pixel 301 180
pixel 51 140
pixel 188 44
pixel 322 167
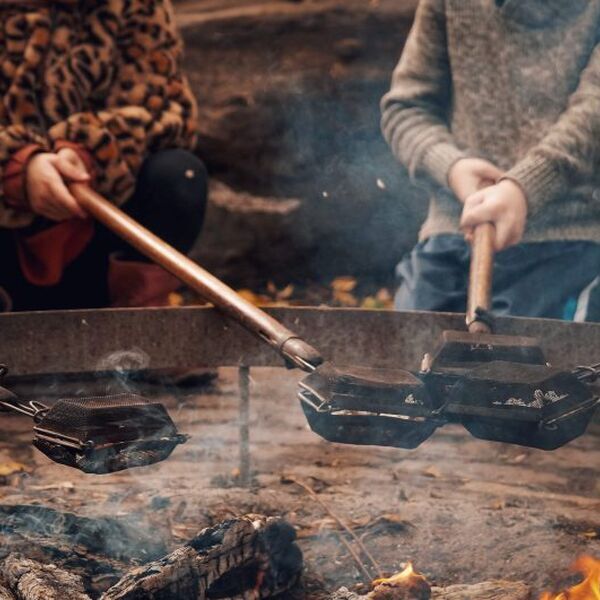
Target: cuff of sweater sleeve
pixel 85 155
pixel 14 177
pixel 439 159
pixel 540 180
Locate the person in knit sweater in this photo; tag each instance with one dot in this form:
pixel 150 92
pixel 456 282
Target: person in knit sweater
pixel 495 108
pixel 92 91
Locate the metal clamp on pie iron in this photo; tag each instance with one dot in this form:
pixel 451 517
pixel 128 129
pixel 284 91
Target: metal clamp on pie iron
pixel 101 434
pixel 500 387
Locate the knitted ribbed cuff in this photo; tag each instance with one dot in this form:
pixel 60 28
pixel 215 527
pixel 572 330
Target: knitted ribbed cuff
pixel 540 179
pixel 439 159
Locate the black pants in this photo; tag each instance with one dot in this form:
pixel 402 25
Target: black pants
pixel 170 200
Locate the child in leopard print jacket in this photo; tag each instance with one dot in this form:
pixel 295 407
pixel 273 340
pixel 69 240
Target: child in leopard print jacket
pixel 92 91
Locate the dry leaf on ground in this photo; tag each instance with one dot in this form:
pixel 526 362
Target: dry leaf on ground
pixel 344 284
pixel 11 467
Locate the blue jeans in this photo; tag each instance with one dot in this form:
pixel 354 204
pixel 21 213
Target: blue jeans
pixel 555 280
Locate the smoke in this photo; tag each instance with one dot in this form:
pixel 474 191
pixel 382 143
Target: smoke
pixel 123 361
pixel 122 364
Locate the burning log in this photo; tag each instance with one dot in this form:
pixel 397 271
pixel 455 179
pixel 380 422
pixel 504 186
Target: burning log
pixel 492 590
pixel 246 558
pixel 589 588
pixel 407 585
pixel 30 580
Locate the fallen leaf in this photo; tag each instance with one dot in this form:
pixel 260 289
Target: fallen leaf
pixel 344 284
pixel 253 298
pixel 175 299
pixel 345 298
pixel 286 293
pixel 385 298
pixel 432 472
pixel 370 303
pixel 11 467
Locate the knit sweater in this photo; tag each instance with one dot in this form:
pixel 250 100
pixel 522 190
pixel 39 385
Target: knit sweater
pixel 516 82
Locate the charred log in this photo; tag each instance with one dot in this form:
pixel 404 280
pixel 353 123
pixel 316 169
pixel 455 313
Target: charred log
pixel 98 572
pixel 5 593
pixel 235 559
pixel 493 590
pixel 30 580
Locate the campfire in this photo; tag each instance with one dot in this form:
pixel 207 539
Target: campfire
pixel 588 589
pixel 359 514
pixel 409 583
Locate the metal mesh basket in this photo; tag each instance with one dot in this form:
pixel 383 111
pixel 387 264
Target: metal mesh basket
pixel 106 433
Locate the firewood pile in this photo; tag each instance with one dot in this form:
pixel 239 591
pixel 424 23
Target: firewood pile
pixel 244 558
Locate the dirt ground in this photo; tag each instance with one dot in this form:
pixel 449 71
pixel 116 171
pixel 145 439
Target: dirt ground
pixel 463 510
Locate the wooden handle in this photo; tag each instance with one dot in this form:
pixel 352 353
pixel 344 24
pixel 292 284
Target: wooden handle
pixel 290 345
pixel 481 276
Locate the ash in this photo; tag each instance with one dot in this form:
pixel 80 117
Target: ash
pixel 462 510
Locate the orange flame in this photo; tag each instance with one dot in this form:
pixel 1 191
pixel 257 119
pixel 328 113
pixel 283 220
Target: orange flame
pixel 408 578
pixel 589 589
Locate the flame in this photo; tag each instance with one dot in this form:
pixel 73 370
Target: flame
pixel 589 589
pixel 408 578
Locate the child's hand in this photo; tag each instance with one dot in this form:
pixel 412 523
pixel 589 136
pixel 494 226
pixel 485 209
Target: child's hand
pixel 504 205
pixel 47 193
pixel 469 175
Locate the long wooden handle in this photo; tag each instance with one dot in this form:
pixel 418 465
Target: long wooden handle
pixel 481 276
pixel 290 345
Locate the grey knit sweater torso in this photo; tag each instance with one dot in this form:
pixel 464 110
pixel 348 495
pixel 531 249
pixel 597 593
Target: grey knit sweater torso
pixel 518 85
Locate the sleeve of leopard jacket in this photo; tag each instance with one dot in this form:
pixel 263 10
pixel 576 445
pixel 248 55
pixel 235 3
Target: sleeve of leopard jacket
pixel 13 140
pixel 149 105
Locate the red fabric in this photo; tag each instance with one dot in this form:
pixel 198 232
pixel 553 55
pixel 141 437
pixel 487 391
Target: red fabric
pixel 15 189
pixel 139 284
pixel 14 182
pixel 44 256
pixel 83 153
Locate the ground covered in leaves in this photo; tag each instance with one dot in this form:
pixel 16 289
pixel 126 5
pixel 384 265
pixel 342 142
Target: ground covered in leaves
pixel 462 510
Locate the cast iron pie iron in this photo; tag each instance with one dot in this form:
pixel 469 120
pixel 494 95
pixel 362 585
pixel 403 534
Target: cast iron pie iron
pixel 499 387
pixel 100 434
pixel 375 407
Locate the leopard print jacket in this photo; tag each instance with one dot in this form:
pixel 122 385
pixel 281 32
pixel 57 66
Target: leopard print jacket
pixel 104 74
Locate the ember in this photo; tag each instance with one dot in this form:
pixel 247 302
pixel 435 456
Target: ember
pixel 589 589
pixel 409 584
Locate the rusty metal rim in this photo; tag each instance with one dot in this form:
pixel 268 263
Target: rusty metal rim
pixel 91 341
